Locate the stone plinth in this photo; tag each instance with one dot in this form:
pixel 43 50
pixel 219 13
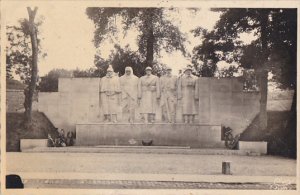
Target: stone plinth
pixel 162 134
pixel 256 147
pixel 26 144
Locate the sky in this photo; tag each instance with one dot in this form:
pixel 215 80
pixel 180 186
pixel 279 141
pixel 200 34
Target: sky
pixel 68 33
pixel 66 36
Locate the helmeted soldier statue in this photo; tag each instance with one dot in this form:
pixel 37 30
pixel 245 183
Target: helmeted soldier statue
pixel 149 95
pixel 188 93
pixel 168 85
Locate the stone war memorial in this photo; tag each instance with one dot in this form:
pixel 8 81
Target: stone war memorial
pixel 168 95
pixel 170 110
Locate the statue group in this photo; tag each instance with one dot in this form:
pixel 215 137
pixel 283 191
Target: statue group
pixel 147 94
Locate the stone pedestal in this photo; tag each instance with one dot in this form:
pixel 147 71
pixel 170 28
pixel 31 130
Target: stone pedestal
pixel 254 147
pixel 162 134
pixel 32 143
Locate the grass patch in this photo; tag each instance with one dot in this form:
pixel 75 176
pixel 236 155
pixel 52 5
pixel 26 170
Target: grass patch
pixel 15 131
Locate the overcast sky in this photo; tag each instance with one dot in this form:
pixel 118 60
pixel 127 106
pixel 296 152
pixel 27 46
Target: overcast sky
pixel 67 35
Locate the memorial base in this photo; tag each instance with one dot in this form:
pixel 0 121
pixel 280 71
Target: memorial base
pixel 159 134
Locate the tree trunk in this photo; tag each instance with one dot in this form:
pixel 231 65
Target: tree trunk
pixel 29 91
pixel 263 71
pixel 291 128
pixel 150 40
pixel 263 83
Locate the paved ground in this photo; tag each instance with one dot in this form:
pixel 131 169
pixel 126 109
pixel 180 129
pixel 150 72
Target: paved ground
pixel 127 184
pixel 149 163
pixel 148 171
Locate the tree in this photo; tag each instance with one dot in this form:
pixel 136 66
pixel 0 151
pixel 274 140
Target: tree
pixel 284 64
pixel 91 72
pixel 29 91
pixel 212 50
pixel 23 49
pixel 274 28
pixel 228 72
pixel 156 32
pixel 18 55
pixel 284 47
pixel 121 58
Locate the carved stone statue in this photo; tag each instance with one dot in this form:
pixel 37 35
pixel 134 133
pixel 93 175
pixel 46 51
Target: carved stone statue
pixel 149 95
pixel 168 85
pixel 188 93
pixel 110 95
pixel 129 86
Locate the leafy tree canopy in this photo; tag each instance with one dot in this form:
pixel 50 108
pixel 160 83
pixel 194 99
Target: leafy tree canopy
pixel 122 57
pixel 279 40
pixel 156 32
pixel 18 56
pixel 274 50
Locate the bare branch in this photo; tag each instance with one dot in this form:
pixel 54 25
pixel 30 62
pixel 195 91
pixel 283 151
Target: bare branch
pixel 32 13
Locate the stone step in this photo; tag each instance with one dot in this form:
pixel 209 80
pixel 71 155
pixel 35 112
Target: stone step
pixel 142 149
pixel 160 134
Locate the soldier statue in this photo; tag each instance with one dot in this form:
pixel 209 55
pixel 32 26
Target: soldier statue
pixel 110 95
pixel 188 93
pixel 149 95
pixel 168 85
pixel 129 83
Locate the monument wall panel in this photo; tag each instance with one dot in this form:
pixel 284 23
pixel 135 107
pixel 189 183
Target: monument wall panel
pixel 237 84
pixel 221 101
pixel 237 98
pixel 221 98
pixel 220 84
pixel 78 85
pixel 204 85
pixel 204 109
pixel 48 104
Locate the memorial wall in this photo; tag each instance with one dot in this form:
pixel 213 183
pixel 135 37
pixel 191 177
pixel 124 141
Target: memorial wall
pixel 221 102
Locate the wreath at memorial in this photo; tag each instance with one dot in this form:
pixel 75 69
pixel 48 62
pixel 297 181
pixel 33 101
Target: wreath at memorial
pixel 147 142
pixel 231 142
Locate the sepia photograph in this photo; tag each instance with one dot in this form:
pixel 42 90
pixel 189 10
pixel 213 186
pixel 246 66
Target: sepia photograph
pixel 149 95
